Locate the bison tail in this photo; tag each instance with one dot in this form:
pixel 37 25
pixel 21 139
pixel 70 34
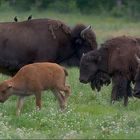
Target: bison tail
pixel 66 72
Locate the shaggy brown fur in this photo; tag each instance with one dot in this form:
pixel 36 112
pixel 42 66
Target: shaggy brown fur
pixel 100 79
pixel 116 58
pixel 57 25
pixel 34 78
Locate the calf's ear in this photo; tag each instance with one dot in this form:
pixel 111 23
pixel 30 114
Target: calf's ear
pixel 9 85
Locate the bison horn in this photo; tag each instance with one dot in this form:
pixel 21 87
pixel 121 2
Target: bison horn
pixel 137 58
pixel 83 31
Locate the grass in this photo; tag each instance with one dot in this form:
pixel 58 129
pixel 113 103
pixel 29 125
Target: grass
pixel 89 114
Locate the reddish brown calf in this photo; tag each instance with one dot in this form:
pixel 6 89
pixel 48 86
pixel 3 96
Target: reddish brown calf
pixel 34 78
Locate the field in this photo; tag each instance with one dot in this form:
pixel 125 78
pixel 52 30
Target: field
pixel 89 114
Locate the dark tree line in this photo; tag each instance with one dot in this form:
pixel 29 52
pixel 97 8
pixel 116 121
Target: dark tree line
pixel 114 7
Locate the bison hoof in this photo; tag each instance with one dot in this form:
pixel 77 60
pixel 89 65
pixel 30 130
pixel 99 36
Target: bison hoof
pixel 18 113
pixel 113 101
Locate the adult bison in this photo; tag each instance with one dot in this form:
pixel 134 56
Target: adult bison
pixel 115 59
pixel 42 40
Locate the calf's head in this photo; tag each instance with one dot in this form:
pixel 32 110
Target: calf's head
pixel 5 91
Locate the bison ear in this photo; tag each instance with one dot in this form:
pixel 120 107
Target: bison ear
pixel 96 58
pixel 137 58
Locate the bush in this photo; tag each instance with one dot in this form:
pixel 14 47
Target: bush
pixel 117 8
pixel 133 8
pixel 64 6
pixel 4 6
pixel 42 4
pixel 118 12
pixel 21 5
pixel 94 6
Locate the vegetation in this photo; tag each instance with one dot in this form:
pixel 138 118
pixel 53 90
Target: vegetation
pixel 117 8
pixel 89 114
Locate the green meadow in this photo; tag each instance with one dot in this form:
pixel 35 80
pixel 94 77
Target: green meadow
pixel 89 114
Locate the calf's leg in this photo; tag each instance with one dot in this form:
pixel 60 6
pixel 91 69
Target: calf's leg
pixel 60 98
pixel 67 91
pixel 38 100
pixel 20 103
pixel 62 87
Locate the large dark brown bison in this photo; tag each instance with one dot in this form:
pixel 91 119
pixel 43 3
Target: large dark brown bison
pixel 116 60
pixel 42 40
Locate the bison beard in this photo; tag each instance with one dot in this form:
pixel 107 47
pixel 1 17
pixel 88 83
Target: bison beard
pixel 99 80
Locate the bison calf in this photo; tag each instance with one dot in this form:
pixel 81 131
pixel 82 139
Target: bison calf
pixel 34 78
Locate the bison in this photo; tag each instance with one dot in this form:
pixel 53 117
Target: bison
pixel 42 40
pixel 34 78
pixel 115 60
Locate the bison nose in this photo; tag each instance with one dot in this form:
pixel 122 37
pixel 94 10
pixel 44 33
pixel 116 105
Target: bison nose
pixel 82 81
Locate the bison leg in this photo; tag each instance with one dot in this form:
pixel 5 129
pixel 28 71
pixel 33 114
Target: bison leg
pixel 20 103
pixel 119 89
pixel 125 99
pixel 129 89
pixel 38 100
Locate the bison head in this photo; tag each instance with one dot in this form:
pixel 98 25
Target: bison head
pixel 137 80
pixel 93 69
pixel 83 39
pixel 5 91
pixel 89 66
